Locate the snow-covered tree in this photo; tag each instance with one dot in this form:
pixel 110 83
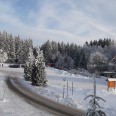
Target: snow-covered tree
pixel 23 50
pixel 83 61
pixel 48 51
pixel 17 48
pixel 11 49
pixel 77 57
pixel 61 48
pixel 71 62
pixel 60 62
pixel 68 62
pixel 3 56
pixel 54 47
pixel 31 56
pixel 28 71
pixel 28 66
pixel 97 61
pixel 38 69
pixel 72 50
pixel 95 108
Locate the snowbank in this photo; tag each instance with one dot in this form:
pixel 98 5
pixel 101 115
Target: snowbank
pixel 82 86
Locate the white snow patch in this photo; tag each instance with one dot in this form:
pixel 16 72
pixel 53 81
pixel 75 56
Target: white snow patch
pixel 83 86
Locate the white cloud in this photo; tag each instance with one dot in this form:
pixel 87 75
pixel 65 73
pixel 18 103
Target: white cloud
pixel 75 22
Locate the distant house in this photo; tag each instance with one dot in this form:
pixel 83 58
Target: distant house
pixel 111 83
pixel 112 64
pixel 109 74
pixel 51 64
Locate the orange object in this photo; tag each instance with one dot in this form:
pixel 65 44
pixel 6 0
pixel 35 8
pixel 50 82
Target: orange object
pixel 111 84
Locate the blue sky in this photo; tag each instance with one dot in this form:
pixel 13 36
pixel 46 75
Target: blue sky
pixel 74 21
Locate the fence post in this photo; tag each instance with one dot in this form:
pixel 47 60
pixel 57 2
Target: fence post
pixel 72 87
pixel 67 88
pixel 63 90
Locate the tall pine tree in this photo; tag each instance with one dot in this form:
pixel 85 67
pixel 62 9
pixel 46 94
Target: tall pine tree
pixel 38 69
pixel 28 66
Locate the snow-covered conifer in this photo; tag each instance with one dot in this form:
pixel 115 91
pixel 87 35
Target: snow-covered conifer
pixel 3 56
pixel 27 71
pixel 38 69
pixel 60 62
pixel 11 49
pixel 95 108
pixel 28 66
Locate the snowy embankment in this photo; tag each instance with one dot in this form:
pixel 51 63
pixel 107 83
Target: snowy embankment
pixel 83 86
pixel 56 89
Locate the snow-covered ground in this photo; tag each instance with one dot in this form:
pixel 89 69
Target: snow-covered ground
pixel 13 105
pixel 83 86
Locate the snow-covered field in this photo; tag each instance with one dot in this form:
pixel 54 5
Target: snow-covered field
pixel 82 86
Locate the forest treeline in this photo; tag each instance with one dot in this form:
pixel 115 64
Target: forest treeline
pixel 69 56
pixel 17 49
pixel 61 55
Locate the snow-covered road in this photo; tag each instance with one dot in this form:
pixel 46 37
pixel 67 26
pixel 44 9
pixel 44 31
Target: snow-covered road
pixel 12 104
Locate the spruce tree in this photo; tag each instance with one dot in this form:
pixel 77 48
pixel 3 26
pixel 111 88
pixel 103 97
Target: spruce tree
pixel 28 66
pixel 27 71
pixel 11 51
pixel 3 56
pixel 95 108
pixel 38 69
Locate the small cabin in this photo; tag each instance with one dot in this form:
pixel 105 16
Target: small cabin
pixel 50 64
pixel 109 74
pixel 111 83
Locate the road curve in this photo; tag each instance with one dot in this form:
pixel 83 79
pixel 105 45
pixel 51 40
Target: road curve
pixel 50 104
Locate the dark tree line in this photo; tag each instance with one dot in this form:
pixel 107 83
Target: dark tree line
pixel 61 55
pixel 101 42
pixel 17 49
pixel 69 56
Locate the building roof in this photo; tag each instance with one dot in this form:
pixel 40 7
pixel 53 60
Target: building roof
pixel 111 79
pixel 108 72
